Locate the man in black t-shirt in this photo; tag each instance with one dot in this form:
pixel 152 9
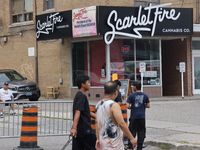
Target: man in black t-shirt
pixel 118 99
pixel 86 137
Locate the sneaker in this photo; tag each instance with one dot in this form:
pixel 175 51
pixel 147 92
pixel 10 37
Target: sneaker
pixel 1 115
pixel 13 114
pixel 144 146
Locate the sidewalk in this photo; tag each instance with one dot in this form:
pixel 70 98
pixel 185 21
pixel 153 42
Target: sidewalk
pixel 169 134
pixel 172 123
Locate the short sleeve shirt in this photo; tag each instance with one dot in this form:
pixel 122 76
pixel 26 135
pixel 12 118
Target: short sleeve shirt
pixel 6 94
pixel 138 101
pixel 84 124
pixel 119 97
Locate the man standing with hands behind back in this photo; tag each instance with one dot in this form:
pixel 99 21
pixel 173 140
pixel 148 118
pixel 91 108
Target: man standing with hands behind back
pixel 137 102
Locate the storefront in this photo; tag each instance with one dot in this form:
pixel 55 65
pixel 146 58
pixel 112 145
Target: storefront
pixel 106 40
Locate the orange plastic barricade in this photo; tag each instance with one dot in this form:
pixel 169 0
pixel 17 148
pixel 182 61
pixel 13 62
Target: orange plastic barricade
pixel 124 113
pixel 92 109
pixel 28 139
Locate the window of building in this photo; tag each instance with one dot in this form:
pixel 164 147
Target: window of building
pixel 48 4
pixel 22 10
pixel 148 51
pixel 145 3
pixel 125 56
pixel 195 45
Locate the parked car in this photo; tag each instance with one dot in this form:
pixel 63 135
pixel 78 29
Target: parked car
pixel 19 85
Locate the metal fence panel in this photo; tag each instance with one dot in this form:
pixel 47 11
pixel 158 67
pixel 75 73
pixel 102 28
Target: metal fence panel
pixel 54 118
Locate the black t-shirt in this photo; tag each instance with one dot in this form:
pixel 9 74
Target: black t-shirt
pixel 119 97
pixel 81 103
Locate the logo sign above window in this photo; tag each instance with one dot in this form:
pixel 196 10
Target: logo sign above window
pixel 137 21
pixel 125 48
pixel 54 25
pixel 84 21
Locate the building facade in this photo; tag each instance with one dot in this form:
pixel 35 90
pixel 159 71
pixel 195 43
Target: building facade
pixel 57 61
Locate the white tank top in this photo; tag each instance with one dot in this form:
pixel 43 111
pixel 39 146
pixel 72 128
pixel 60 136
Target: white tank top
pixel 110 135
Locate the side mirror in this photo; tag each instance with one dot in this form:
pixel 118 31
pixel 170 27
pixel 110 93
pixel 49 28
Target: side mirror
pixel 25 78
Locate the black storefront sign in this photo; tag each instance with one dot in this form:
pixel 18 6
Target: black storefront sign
pixel 137 21
pixel 54 25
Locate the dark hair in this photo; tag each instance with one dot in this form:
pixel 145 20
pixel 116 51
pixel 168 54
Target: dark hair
pixel 118 82
pixel 137 84
pixel 81 79
pixel 110 87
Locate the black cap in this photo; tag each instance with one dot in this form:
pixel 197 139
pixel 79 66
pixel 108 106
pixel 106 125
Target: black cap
pixel 6 83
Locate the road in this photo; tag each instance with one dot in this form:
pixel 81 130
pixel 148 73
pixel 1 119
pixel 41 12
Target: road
pixel 170 124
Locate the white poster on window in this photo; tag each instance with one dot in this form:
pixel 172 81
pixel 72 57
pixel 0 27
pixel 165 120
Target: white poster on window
pixel 150 74
pixel 31 51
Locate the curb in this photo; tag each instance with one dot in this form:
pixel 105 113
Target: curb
pixel 173 146
pixel 161 143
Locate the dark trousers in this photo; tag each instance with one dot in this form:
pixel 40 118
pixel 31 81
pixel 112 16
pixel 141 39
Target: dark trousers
pixel 87 142
pixel 137 127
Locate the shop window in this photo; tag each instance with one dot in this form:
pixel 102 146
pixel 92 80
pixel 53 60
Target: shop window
pixel 148 51
pixel 145 3
pixel 79 60
pixel 125 56
pixel 97 64
pixel 125 60
pixel 122 59
pixel 195 45
pixel 48 4
pixel 22 10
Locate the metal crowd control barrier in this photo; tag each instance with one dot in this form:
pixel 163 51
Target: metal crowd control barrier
pixel 54 118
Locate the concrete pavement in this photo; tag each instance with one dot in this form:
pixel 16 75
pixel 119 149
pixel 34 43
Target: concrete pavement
pixel 172 123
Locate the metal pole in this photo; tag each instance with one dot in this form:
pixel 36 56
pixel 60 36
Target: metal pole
pixel 141 81
pixel 182 85
pixel 107 62
pixel 88 57
pixel 36 49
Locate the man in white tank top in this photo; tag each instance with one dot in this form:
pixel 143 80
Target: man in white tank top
pixel 110 122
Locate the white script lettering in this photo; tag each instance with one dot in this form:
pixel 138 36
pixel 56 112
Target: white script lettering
pixel 140 20
pixel 48 25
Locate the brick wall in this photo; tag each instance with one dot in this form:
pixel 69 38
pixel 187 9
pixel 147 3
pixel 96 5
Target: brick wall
pixel 93 93
pixel 54 57
pixel 173 52
pixel 14 52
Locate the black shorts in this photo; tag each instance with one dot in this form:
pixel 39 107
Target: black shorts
pixel 84 143
pixel 7 104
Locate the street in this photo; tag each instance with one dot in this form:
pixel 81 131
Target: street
pixel 170 124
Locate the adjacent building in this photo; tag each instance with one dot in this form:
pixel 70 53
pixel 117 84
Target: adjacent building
pixel 54 41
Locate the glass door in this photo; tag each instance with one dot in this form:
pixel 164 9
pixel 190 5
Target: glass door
pixel 196 73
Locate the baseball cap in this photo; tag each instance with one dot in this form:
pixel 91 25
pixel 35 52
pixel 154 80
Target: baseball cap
pixel 6 83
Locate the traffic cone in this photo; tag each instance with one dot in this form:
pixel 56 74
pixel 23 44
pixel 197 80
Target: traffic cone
pixel 28 139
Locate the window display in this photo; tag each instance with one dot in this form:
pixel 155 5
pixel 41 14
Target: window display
pixel 125 56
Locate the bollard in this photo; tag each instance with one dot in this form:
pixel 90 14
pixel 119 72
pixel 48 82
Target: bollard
pixel 93 125
pixel 28 139
pixel 124 113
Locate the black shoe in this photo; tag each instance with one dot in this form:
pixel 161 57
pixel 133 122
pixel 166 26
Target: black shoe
pixel 144 146
pixel 13 114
